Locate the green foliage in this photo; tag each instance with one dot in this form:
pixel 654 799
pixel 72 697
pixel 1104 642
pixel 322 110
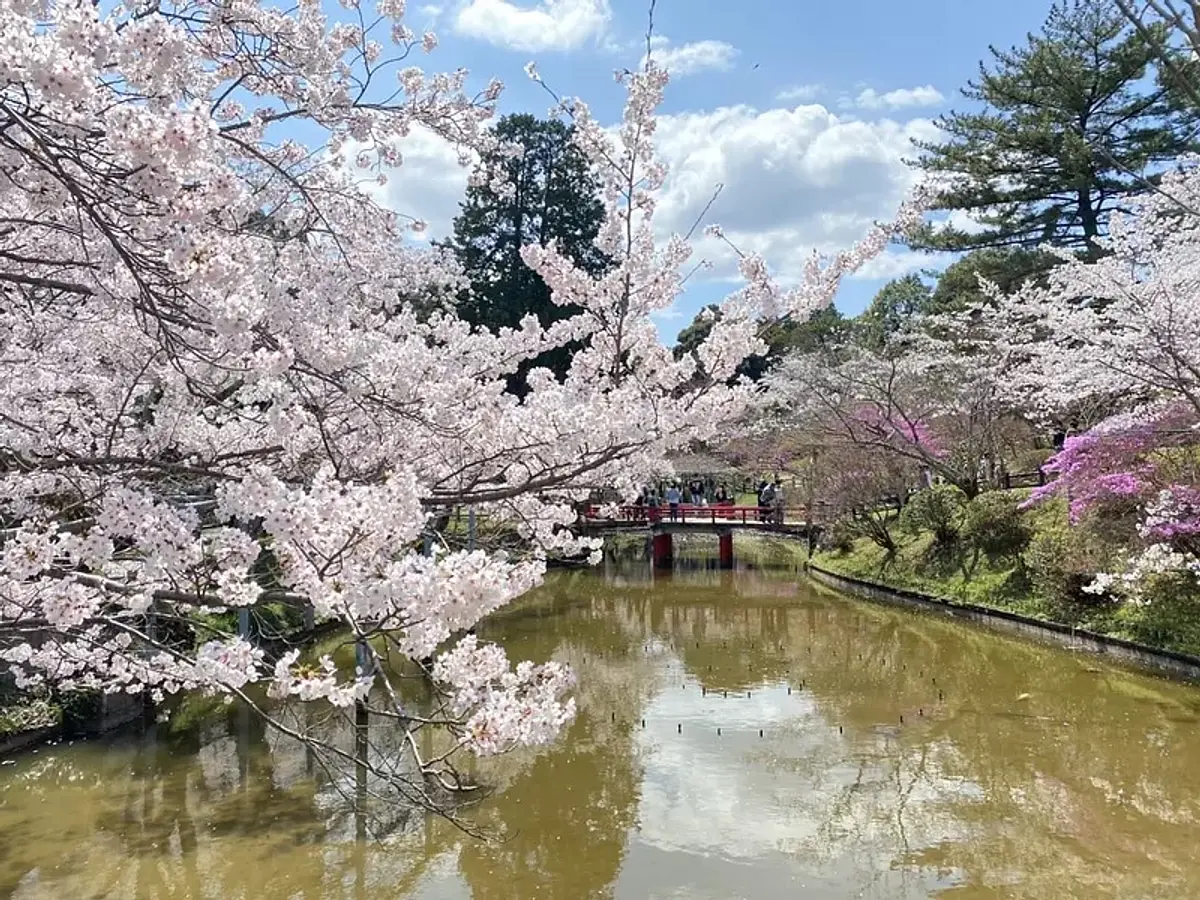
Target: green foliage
pixel 1069 124
pixel 80 710
pixel 993 525
pixel 554 196
pixel 1045 582
pixel 940 510
pixel 877 526
pixel 1062 559
pixel 958 286
pixel 823 328
pixel 1171 619
pixel 28 716
pixel 839 537
pixel 897 303
pixel 196 711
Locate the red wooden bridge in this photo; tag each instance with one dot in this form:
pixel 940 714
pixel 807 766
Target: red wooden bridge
pixel 722 520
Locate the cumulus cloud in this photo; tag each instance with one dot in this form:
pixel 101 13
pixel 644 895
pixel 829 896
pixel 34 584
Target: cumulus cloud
pixel 429 184
pixel 901 98
pixel 545 25
pixel 687 59
pixel 800 93
pixel 794 180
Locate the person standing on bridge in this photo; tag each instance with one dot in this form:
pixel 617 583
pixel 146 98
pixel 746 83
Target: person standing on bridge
pixel 777 503
pixel 766 499
pixel 673 501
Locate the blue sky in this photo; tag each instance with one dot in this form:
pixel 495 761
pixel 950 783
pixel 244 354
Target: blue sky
pixel 803 109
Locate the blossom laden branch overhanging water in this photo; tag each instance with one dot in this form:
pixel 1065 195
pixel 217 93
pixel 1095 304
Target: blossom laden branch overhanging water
pixel 197 305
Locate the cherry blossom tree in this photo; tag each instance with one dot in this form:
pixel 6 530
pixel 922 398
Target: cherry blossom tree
pixel 229 379
pixel 931 401
pixel 1120 335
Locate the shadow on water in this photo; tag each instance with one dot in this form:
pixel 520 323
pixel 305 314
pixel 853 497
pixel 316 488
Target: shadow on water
pixel 740 734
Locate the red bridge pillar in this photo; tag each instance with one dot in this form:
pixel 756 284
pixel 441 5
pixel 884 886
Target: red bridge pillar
pixel 663 551
pixel 725 554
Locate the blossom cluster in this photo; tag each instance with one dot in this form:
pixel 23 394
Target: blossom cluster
pixel 231 378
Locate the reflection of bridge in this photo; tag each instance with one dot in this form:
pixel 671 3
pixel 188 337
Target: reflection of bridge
pixel 662 522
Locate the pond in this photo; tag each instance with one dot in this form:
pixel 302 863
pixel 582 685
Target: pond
pixel 740 734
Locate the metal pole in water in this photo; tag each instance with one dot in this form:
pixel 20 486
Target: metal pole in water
pixel 362 659
pixel 243 727
pixel 470 528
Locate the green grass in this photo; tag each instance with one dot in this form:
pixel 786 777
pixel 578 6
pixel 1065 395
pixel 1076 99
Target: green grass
pixel 1171 620
pixel 917 567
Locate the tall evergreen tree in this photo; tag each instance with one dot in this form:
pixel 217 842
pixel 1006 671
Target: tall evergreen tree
pixel 823 327
pixel 897 302
pixel 546 192
pixel 958 286
pixel 1073 123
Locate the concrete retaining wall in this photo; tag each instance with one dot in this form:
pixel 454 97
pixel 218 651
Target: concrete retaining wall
pixel 1177 665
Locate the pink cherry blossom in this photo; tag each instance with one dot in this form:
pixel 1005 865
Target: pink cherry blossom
pixel 231 376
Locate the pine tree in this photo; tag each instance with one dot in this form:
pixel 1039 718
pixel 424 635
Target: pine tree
pixel 1073 124
pixel 897 303
pixel 823 327
pixel 958 286
pixel 549 193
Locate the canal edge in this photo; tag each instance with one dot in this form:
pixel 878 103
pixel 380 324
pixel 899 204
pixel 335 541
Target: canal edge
pixel 1180 666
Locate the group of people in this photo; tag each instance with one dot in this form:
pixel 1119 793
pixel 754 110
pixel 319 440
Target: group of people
pixel 692 493
pixel 700 493
pixel 770 501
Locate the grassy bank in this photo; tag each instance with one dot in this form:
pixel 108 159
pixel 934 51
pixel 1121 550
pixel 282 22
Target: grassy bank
pixel 1030 562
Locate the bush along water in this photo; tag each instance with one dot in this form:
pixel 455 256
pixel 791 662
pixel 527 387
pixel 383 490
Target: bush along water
pixel 1001 550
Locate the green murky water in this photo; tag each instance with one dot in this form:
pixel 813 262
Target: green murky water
pixel 1089 787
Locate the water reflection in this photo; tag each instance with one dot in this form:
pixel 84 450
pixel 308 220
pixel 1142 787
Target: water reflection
pixel 862 752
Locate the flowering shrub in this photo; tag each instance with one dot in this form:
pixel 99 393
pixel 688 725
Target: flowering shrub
pixel 1135 462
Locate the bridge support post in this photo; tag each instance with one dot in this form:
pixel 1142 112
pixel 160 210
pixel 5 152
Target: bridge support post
pixel 663 550
pixel 725 544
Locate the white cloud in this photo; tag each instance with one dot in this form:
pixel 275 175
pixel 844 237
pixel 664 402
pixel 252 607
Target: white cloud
pixel 963 221
pixel 429 185
pixel 896 263
pixel 794 180
pixel 431 11
pixel 687 59
pixel 901 98
pixel 545 25
pixel 800 93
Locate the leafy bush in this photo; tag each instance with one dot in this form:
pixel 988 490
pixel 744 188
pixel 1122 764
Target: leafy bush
pixel 28 717
pixel 993 525
pixel 940 510
pixel 838 537
pixel 1170 615
pixel 1062 559
pixel 80 710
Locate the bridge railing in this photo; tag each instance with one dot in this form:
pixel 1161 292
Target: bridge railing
pixel 686 512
